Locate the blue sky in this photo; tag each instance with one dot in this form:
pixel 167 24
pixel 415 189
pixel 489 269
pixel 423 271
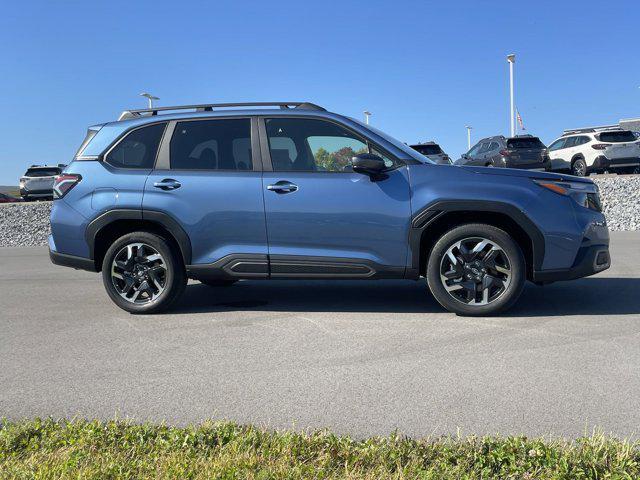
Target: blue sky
pixel 425 69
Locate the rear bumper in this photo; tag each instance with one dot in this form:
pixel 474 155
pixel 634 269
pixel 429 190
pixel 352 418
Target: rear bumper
pixel 589 261
pixel 24 192
pixel 603 162
pixel 79 263
pixel 541 166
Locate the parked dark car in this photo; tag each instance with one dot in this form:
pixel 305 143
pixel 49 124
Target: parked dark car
pixel 522 151
pixel 4 198
pixel 433 152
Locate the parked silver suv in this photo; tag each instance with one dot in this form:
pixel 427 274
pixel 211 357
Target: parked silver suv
pixel 37 182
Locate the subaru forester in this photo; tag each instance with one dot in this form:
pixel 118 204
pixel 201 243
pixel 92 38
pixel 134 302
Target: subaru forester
pixel 225 192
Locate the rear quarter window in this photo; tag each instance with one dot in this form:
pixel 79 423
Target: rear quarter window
pixel 138 149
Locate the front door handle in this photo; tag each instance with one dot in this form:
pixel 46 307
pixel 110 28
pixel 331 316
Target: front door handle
pixel 282 186
pixel 167 184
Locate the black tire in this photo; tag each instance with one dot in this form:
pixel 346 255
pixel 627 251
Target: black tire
pixel 579 168
pixel 504 297
pixel 173 273
pixel 217 283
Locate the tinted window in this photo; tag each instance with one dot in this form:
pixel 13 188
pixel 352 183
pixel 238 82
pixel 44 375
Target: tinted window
pixel 428 149
pixel 528 142
pixel 485 147
pixel 475 149
pixel 313 145
pixel 570 142
pixel 90 134
pixel 557 145
pixel 582 140
pixel 212 145
pixel 617 137
pixel 138 149
pixel 42 172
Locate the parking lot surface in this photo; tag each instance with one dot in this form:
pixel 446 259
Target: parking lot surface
pixel 358 357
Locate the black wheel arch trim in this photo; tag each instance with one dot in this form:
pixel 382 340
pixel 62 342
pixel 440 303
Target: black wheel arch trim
pixel 160 218
pixel 428 215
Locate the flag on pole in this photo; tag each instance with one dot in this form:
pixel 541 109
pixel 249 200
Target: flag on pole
pixel 520 120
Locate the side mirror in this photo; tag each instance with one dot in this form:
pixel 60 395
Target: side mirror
pixel 368 164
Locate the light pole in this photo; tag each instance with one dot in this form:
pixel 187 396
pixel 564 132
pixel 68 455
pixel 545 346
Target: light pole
pixel 512 121
pixel 367 114
pixel 469 128
pixel 149 97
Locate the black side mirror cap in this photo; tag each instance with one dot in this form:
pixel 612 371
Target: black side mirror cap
pixel 368 164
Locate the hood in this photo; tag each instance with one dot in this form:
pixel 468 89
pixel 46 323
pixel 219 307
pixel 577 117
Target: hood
pixel 516 172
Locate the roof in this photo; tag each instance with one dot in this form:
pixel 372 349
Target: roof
pixel 424 143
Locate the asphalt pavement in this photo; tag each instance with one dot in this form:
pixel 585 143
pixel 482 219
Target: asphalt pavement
pixel 362 357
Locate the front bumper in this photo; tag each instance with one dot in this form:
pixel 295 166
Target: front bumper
pixel 589 261
pixel 604 163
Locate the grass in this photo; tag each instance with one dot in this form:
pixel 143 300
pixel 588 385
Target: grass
pixel 115 449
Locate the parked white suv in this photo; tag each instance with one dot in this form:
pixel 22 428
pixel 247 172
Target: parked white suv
pixel 595 150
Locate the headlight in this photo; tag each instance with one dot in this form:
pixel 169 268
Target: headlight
pixel 585 194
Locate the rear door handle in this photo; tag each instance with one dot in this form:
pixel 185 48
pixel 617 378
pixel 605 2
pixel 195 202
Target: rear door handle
pixel 167 184
pixel 282 186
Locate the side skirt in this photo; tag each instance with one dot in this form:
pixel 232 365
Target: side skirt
pixel 255 266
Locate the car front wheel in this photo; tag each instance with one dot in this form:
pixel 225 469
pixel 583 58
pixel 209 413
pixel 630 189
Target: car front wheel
pixel 143 273
pixel 476 269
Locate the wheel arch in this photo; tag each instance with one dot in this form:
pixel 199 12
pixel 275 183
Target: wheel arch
pixel 430 224
pixel 577 156
pixel 109 226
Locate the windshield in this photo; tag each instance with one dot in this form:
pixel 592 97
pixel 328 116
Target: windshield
pixel 617 137
pixel 42 172
pixel 396 143
pixel 530 142
pixel 427 149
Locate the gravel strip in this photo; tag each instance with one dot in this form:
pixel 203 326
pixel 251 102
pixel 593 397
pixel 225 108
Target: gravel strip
pixel 27 224
pixel 24 224
pixel 620 197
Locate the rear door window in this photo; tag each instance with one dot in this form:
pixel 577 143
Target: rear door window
pixel 617 137
pixel 571 142
pixel 138 149
pixel 221 144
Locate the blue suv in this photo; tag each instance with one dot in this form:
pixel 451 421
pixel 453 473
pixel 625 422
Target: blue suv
pixel 224 192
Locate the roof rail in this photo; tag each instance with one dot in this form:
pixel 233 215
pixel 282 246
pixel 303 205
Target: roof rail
pixel 208 107
pixel 571 131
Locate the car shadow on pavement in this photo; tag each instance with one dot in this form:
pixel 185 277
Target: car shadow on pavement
pixel 588 296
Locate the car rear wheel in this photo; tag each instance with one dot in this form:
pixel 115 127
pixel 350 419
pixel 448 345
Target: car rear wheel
pixel 476 269
pixel 579 168
pixel 142 273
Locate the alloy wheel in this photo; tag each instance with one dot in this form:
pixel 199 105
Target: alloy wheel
pixel 579 169
pixel 475 271
pixel 139 273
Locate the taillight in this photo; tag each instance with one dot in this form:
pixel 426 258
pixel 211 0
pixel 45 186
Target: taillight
pixel 600 146
pixel 505 153
pixel 63 183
